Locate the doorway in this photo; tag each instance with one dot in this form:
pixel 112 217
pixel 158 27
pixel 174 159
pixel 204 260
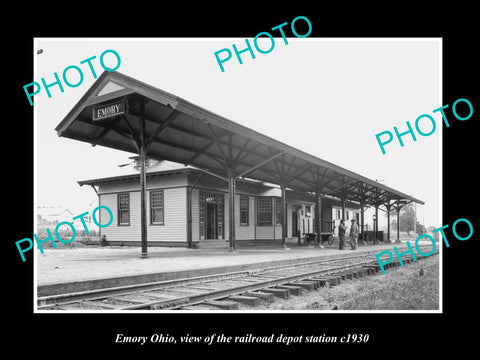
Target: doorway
pixel 211 215
pixel 211 221
pixel 294 223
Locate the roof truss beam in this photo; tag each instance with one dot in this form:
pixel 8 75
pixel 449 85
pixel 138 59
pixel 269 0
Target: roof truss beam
pixel 162 126
pixel 260 164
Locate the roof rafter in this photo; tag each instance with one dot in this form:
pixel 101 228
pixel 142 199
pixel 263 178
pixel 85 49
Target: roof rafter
pixel 245 150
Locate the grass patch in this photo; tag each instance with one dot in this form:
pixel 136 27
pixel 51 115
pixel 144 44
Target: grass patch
pixel 407 290
pixel 401 288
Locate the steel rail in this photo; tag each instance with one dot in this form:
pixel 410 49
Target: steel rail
pixel 199 299
pixel 47 301
pixel 230 291
pixel 101 294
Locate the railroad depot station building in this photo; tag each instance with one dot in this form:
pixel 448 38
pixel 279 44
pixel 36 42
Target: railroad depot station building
pixel 173 188
pixel 205 179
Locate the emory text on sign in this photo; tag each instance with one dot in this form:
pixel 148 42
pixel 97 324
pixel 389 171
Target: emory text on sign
pixel 105 111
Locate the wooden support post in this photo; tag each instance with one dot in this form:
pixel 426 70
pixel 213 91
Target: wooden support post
pixel 398 224
pixel 284 217
pixel 388 206
pixel 143 180
pixel 343 207
pixel 388 225
pixel 376 223
pixel 189 215
pixel 362 219
pixel 415 220
pixel 190 188
pixel 231 212
pixel 232 245
pixel 318 216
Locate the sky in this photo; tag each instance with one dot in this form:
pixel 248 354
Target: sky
pixel 325 96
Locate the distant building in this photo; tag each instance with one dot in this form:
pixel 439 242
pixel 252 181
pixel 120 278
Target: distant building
pixel 50 216
pixel 47 215
pixel 352 212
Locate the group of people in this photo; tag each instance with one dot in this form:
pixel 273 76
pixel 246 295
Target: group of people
pixel 342 229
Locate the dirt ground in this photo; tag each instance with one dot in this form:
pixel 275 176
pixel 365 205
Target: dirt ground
pixel 66 264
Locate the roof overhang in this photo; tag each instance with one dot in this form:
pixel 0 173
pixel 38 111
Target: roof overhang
pixel 177 130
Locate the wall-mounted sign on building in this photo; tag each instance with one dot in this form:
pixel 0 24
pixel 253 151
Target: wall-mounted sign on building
pixel 101 112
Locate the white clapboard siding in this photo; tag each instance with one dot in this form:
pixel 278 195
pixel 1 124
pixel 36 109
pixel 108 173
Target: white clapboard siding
pixel 175 217
pixel 278 232
pixel 122 233
pixel 175 222
pixel 289 220
pixel 195 215
pixel 226 222
pixel 244 232
pixel 264 232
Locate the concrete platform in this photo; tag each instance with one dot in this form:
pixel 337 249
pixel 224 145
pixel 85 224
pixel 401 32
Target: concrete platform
pixel 84 268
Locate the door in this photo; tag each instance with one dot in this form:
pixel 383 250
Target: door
pixel 294 223
pixel 211 221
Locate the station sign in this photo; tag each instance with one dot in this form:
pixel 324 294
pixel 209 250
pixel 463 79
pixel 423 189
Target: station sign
pixel 101 112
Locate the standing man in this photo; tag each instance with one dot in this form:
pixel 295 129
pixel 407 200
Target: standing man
pixel 341 233
pixel 353 235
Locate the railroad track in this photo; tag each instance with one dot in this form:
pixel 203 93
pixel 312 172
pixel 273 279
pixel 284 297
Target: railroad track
pixel 223 291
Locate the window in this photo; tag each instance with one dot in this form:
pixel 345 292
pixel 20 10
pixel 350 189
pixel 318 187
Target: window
pixel 123 201
pixel 308 210
pixel 347 213
pixel 264 211
pixel 278 211
pixel 339 215
pixel 157 212
pixel 244 210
